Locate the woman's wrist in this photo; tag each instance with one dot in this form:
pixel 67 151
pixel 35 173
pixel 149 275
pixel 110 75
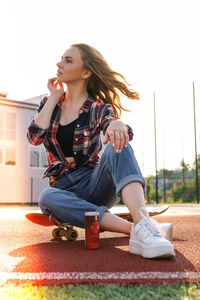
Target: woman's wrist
pixel 54 97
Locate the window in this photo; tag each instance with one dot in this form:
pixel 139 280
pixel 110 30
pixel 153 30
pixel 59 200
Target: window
pixel 1 125
pixel 10 120
pixel 1 133
pixel 1 156
pixel 8 128
pixel 34 158
pixel 10 156
pixel 38 157
pixel 8 124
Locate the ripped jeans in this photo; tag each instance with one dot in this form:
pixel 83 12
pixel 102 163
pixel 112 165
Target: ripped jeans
pixel 91 189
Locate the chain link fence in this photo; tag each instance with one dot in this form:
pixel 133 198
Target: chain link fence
pixel 173 186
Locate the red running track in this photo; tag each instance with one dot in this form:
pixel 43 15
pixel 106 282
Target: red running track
pixel 32 256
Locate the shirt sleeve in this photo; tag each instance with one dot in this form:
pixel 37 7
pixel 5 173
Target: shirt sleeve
pixel 35 134
pixel 108 116
pixel 130 132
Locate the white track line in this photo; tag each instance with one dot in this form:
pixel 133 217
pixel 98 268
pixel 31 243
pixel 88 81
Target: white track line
pixel 93 276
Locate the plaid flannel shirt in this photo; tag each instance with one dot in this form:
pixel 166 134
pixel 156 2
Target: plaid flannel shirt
pixel 94 117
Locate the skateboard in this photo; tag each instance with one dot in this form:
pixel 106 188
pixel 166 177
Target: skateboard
pixel 62 230
pixel 66 230
pixel 127 216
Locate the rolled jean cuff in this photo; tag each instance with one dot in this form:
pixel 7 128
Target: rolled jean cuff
pixel 128 179
pixel 101 210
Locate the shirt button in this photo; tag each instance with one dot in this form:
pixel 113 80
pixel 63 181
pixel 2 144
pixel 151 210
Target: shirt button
pixel 76 139
pixel 74 152
pixel 78 125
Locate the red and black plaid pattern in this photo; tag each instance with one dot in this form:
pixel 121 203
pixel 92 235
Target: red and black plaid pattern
pixel 94 117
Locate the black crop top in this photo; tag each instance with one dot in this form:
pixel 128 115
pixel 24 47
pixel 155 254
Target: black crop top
pixel 64 137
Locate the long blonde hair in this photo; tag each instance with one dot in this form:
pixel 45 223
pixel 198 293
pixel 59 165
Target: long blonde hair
pixel 104 82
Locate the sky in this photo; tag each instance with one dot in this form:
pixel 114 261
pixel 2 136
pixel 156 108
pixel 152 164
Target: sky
pixel 153 43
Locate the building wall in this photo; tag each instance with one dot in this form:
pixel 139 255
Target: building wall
pixel 19 181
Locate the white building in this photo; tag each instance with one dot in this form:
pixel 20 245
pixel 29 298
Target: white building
pixel 21 164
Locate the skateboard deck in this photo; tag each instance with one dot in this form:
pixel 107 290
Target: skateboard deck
pixel 127 216
pixel 62 229
pixel 66 230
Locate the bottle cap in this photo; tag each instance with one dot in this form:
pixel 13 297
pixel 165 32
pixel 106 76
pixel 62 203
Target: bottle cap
pixel 91 213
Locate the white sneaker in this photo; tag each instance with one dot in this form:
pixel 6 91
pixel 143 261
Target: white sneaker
pixel 148 239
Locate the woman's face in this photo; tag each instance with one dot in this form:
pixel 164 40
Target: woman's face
pixel 70 68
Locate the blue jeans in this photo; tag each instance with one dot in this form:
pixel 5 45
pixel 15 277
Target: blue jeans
pixel 91 189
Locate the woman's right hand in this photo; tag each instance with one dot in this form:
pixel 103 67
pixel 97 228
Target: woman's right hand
pixel 55 87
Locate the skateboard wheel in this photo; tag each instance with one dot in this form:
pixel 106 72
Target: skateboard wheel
pixel 71 234
pixel 55 233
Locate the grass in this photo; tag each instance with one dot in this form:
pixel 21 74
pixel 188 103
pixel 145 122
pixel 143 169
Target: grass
pixel 98 292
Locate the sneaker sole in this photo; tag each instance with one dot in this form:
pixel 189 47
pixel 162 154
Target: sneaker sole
pixel 151 252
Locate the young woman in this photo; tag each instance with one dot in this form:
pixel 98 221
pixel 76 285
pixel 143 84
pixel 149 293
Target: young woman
pixel 69 125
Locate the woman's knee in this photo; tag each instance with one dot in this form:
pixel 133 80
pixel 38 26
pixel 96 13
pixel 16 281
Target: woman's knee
pixel 110 151
pixel 45 197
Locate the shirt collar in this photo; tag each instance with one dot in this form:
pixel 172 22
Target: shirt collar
pixel 87 104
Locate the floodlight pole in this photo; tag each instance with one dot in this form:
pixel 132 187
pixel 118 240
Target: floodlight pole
pixel 164 173
pixel 195 142
pixel 155 147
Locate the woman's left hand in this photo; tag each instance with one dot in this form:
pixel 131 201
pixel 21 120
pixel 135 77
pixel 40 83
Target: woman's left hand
pixel 117 133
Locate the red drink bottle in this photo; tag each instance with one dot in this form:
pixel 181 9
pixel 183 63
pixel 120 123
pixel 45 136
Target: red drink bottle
pixel 92 230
